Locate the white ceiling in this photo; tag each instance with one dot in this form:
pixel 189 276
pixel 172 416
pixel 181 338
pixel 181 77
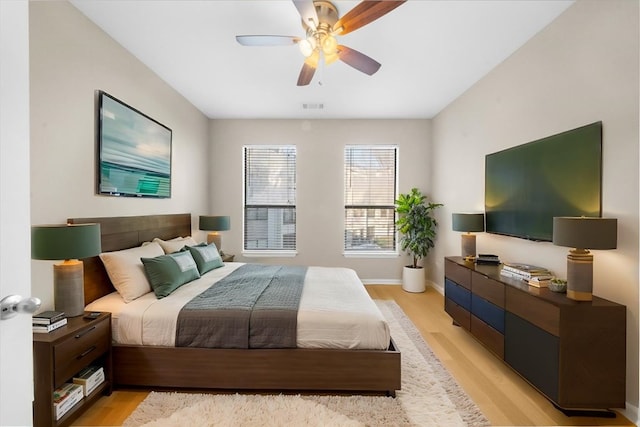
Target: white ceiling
pixel 431 52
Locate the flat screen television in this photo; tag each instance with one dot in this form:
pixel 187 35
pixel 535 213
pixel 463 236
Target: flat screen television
pixel 527 185
pixel 134 151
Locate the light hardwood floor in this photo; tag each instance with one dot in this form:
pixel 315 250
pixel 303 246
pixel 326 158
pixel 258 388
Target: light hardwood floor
pixel 504 397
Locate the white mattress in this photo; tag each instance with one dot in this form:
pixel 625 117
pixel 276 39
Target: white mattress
pixel 335 312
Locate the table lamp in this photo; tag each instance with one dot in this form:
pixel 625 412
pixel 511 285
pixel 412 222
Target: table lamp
pixel 69 243
pixel 215 224
pixel 582 234
pixel 468 222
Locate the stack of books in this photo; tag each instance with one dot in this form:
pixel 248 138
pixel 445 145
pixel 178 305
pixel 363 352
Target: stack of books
pixel 65 397
pixel 48 321
pixel 89 378
pixel 533 275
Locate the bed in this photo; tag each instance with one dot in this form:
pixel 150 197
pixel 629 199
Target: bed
pixel 351 370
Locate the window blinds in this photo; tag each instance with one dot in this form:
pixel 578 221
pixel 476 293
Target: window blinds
pixel 270 197
pixel 370 177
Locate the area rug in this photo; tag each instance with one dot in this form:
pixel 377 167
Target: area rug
pixel 429 397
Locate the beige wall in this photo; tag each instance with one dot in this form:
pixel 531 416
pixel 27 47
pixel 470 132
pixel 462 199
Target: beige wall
pixel 71 58
pixel 320 196
pixel 582 68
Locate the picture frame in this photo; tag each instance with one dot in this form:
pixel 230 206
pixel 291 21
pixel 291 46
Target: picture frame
pixel 134 151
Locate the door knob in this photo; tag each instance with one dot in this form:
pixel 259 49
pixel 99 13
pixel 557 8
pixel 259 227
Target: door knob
pixel 14 304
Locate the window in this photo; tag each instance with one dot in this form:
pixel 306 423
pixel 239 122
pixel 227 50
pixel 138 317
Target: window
pixel 370 175
pixel 270 198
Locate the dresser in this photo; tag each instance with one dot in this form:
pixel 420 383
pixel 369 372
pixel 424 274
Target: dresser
pixel 573 352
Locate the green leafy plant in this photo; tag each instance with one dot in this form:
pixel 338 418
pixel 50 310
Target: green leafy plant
pixel 416 224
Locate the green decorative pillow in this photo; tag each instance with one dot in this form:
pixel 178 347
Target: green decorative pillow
pixel 206 256
pixel 166 273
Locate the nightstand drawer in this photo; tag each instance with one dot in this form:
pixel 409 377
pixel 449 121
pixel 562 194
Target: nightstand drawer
pixel 79 350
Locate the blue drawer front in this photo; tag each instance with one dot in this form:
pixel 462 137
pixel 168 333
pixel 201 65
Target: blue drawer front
pixel 491 314
pixel 457 294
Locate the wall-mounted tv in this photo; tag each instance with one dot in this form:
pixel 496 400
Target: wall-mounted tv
pixel 134 151
pixel 526 186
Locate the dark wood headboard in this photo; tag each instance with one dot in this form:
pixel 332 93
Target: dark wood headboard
pixel 126 232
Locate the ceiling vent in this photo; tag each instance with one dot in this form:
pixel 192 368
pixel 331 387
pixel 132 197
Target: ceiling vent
pixel 313 106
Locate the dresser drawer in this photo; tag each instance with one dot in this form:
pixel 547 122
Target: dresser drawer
pixel 488 312
pixel 79 350
pixel 459 274
pixel 489 289
pixel 488 336
pixel 457 294
pixel 459 315
pixel 532 309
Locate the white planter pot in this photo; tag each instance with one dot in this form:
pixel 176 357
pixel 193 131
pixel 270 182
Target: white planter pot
pixel 413 279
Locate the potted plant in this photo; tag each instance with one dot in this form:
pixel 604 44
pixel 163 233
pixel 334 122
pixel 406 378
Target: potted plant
pixel 418 229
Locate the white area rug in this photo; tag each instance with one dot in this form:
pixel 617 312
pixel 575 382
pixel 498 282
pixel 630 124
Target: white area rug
pixel 429 397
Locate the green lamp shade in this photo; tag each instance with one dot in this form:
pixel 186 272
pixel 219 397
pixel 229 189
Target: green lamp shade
pixel 468 222
pixel 65 241
pixel 215 223
pixel 585 232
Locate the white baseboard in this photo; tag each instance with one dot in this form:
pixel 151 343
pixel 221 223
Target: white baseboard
pixel 631 412
pixel 382 281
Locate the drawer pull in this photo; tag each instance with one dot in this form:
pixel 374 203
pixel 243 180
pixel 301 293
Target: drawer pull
pixel 87 351
pixel 83 333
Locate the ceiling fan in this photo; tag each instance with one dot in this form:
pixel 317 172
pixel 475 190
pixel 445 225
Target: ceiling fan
pixel 322 24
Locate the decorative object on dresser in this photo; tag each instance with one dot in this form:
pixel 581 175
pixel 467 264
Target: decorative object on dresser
pixel 67 242
pixel 418 228
pixel 582 234
pixel 487 259
pixel 468 222
pixel 214 224
pixel 64 354
pixel 573 352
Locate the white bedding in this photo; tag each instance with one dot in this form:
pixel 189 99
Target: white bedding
pixel 335 312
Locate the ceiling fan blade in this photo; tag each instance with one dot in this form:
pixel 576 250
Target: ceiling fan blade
pixel 308 69
pixel 307 11
pixel 365 12
pixel 267 40
pixel 358 60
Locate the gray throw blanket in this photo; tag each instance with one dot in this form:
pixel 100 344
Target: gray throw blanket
pixel 256 306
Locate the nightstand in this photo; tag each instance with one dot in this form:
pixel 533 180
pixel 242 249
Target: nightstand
pixel 61 354
pixel 227 257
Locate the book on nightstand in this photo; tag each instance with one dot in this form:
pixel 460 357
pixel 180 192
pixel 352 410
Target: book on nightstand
pixel 47 317
pixel 89 378
pixel 65 397
pixel 49 328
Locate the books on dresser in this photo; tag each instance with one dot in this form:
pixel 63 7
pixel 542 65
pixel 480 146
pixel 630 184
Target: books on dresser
pixel 526 272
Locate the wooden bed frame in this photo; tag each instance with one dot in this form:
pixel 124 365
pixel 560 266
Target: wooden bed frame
pixel 302 370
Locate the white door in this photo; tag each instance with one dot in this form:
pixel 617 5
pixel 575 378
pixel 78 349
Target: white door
pixel 16 366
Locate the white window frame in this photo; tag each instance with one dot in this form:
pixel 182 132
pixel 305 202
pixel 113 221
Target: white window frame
pixel 256 253
pixel 390 253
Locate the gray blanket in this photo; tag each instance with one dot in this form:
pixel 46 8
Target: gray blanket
pixel 256 306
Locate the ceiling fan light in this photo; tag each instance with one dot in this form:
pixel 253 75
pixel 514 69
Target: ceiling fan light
pixel 329 44
pixel 306 47
pixel 330 58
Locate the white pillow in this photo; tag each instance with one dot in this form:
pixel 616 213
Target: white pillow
pixel 174 245
pixel 127 272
